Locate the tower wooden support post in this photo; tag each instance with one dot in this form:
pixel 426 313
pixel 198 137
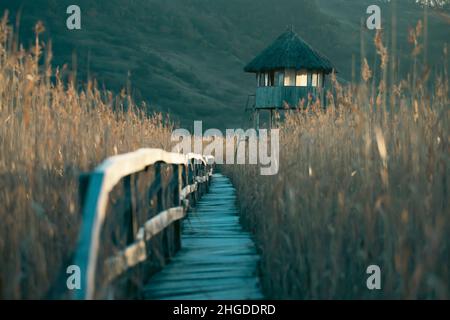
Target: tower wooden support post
pixel 256 119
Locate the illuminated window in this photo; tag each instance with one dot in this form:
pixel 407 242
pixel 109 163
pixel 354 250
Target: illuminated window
pixel 315 79
pixel 302 78
pixel 289 78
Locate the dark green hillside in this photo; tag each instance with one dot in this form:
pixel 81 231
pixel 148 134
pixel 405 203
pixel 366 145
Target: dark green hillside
pixel 350 13
pixel 187 56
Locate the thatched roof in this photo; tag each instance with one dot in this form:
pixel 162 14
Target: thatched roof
pixel 289 51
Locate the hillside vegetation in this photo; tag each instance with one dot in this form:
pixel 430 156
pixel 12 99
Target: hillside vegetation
pixel 186 57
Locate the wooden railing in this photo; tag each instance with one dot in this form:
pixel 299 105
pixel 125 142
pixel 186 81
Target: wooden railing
pixel 191 176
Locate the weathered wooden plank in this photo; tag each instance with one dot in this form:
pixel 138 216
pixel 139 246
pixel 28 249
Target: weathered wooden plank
pixel 250 292
pixel 211 286
pixel 198 270
pixel 202 274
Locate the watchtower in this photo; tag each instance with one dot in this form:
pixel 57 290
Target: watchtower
pixel 287 71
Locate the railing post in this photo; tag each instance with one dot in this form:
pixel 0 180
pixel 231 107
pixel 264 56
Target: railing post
pixel 194 180
pixel 159 193
pixel 160 204
pixel 207 178
pixel 131 224
pixel 152 191
pixel 190 180
pixel 176 199
pixel 129 214
pixel 202 174
pixel 83 184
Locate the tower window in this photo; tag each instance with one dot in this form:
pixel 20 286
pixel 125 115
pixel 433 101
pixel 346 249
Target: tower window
pixel 320 80
pixel 289 77
pixel 302 78
pixel 315 80
pixel 262 79
pixel 279 78
pixel 271 80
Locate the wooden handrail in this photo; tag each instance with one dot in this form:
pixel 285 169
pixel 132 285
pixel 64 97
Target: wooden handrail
pixel 101 182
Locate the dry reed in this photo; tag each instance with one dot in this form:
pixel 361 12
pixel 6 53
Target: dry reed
pixel 51 131
pixel 359 184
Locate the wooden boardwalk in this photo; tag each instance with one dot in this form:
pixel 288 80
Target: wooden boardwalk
pixel 218 259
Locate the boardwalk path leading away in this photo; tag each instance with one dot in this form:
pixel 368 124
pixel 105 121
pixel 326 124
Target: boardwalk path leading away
pixel 218 259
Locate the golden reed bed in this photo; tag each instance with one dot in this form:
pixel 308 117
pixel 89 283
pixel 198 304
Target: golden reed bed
pixel 364 182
